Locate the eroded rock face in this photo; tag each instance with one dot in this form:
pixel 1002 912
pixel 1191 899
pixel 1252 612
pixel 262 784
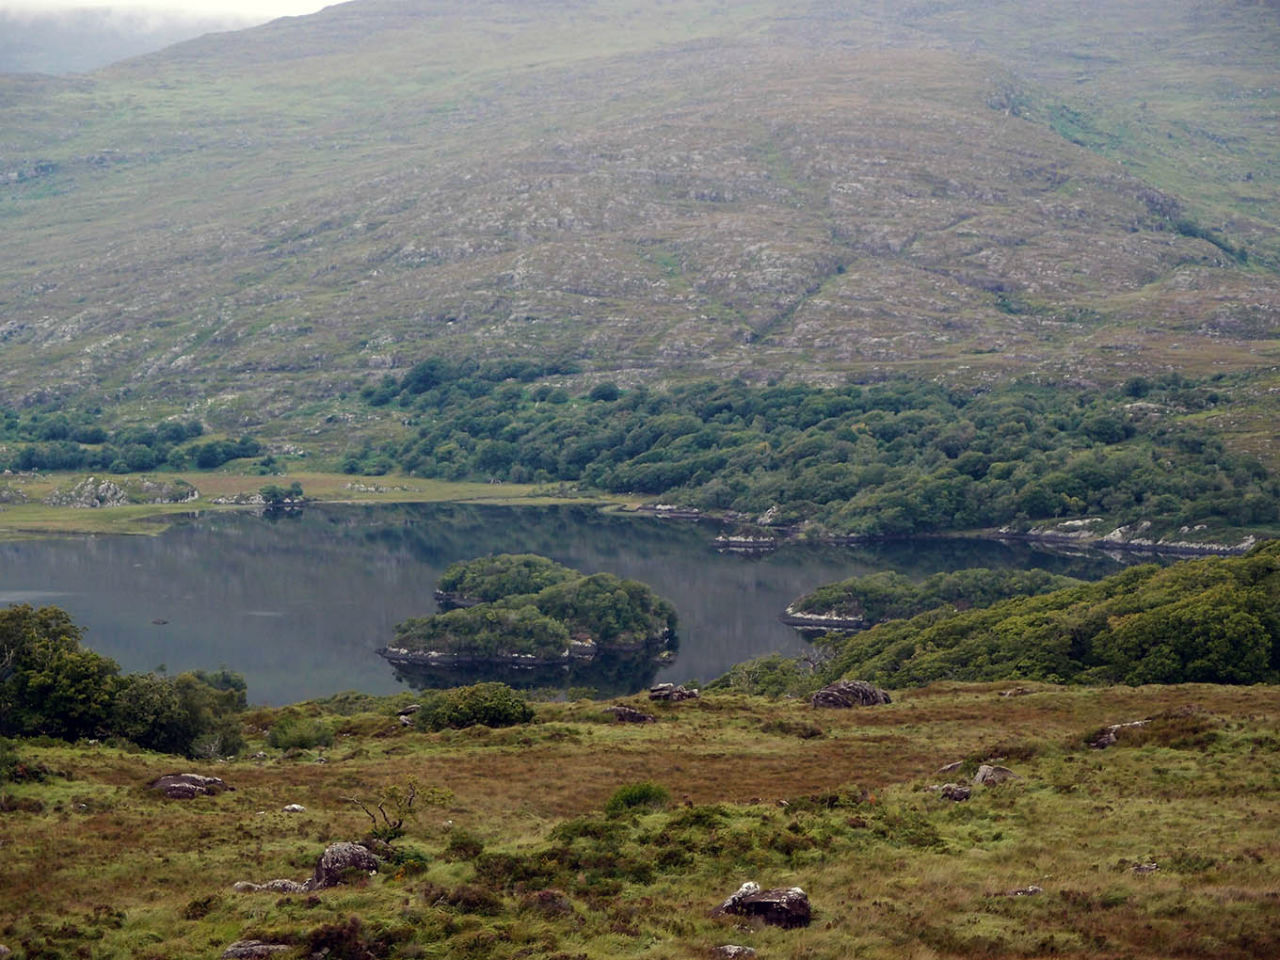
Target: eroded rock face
pixel 188 786
pixel 337 859
pixel 782 907
pixel 849 693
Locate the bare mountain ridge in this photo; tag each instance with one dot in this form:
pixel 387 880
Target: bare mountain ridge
pixel 249 224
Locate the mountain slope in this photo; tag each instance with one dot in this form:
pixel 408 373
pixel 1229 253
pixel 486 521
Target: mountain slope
pixel 247 225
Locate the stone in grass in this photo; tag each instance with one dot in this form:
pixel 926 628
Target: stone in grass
pixel 294 808
pixel 337 860
pixel 624 714
pixel 783 907
pixel 731 951
pixel 849 693
pixel 989 775
pixel 335 865
pixel 188 786
pixel 672 693
pixel 252 949
pixel 953 791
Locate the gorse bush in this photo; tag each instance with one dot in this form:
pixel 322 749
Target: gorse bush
pixel 490 704
pixel 637 796
pixel 293 732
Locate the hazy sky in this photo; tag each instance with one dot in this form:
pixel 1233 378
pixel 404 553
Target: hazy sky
pixel 252 9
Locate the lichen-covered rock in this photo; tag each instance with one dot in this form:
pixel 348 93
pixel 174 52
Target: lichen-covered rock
pixel 849 693
pixel 624 714
pixel 1107 736
pixel 672 693
pixel 188 786
pixel 989 775
pixel 782 907
pixel 954 791
pixel 252 949
pixel 1028 891
pixel 337 860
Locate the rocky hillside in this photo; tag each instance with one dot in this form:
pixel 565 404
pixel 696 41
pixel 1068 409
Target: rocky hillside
pixel 247 226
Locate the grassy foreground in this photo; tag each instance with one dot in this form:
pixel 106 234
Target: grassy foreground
pixel 34 518
pixel 95 865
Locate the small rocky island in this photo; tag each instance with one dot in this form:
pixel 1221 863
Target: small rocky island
pixel 524 613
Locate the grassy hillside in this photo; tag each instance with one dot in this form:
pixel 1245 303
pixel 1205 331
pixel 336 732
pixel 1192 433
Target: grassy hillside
pixel 96 865
pixel 248 226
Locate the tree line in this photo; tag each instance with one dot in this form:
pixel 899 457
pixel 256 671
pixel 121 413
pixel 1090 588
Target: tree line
pixel 77 441
pixel 896 458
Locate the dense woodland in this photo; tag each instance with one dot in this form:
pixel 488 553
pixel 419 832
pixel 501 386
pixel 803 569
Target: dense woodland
pixel 896 458
pixel 1211 620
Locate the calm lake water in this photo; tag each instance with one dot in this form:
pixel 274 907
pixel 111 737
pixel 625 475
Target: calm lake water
pixel 300 604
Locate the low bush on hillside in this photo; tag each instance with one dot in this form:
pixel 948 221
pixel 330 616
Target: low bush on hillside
pixel 490 704
pixel 293 732
pixel 635 796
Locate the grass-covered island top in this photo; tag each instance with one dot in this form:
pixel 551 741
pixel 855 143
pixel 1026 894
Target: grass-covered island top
pixel 515 608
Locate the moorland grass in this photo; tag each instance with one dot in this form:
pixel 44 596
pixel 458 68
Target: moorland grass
pixel 95 865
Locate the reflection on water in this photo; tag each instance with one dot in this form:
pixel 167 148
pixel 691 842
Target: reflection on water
pixel 300 603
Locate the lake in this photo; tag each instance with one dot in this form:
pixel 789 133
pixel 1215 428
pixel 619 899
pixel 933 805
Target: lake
pixel 299 604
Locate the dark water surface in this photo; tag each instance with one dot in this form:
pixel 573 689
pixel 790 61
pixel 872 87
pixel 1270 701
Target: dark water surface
pixel 299 605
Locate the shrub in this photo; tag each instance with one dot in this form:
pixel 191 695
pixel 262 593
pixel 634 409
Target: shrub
pixel 9 762
pixel 491 704
pixel 637 795
pixel 462 845
pixel 292 732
